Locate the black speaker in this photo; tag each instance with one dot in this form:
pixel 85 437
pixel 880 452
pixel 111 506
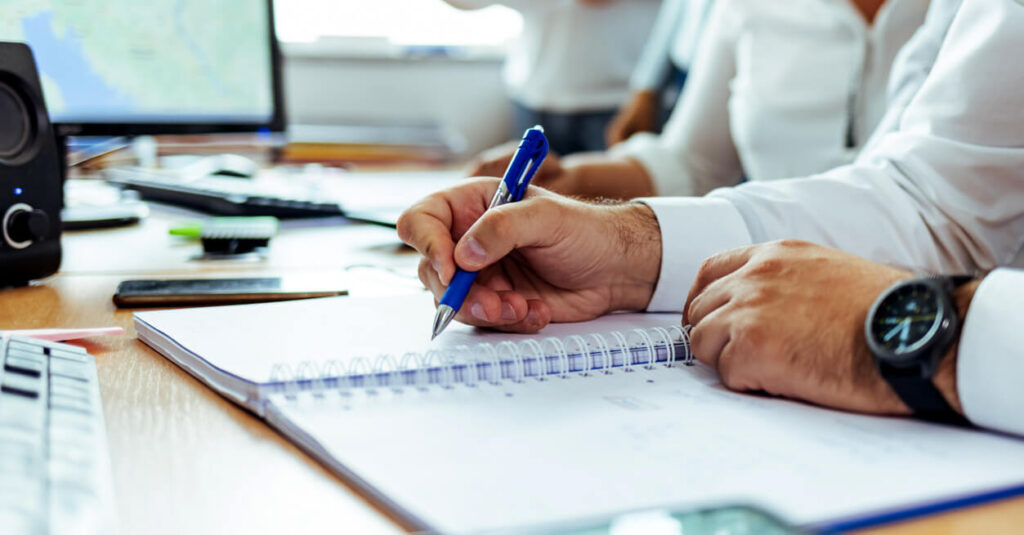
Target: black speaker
pixel 31 186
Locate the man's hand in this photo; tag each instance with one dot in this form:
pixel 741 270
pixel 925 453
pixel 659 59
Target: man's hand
pixel 590 175
pixel 787 318
pixel 638 114
pixel 545 258
pixel 494 162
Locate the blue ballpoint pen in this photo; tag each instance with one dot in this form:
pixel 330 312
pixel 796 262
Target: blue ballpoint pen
pixel 528 157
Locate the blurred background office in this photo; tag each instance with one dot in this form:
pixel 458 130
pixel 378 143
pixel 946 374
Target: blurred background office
pixel 569 64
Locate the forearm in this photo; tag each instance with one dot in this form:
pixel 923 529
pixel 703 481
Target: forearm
pixel 636 229
pixel 597 176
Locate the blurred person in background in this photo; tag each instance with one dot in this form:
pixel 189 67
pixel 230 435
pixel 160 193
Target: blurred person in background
pixel 777 90
pixel 569 70
pixel 661 72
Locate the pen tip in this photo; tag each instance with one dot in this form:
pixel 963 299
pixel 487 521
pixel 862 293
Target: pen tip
pixel 444 316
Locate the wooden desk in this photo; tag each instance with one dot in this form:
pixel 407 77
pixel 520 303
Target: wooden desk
pixel 186 460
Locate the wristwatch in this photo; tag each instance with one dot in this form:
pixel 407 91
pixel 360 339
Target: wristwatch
pixel 909 329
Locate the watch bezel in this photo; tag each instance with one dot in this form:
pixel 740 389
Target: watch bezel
pixel 923 351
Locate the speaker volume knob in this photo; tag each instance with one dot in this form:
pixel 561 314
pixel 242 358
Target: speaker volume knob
pixel 28 225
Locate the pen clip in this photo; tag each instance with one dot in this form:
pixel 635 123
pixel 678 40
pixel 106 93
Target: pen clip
pixel 534 147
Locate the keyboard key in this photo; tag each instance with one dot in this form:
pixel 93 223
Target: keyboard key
pixel 76 469
pixel 18 442
pixel 29 387
pixel 32 355
pixel 73 356
pixel 71 403
pixel 32 367
pixel 14 521
pixel 19 413
pixel 69 387
pixel 25 346
pixel 71 370
pixel 71 419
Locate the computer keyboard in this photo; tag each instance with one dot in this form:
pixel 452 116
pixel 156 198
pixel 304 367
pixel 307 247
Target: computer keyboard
pixel 223 196
pixel 54 466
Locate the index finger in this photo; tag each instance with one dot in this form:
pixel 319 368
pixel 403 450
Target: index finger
pixel 714 268
pixel 431 225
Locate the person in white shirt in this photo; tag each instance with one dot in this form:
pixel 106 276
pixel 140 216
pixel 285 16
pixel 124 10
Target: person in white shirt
pixel 942 193
pixel 778 89
pixel 661 71
pixel 569 69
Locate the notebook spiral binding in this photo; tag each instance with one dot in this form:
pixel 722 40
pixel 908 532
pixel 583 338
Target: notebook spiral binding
pixel 576 355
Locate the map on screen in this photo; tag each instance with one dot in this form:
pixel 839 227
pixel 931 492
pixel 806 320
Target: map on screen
pixel 148 61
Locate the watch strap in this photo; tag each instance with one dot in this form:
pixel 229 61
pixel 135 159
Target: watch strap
pixel 921 395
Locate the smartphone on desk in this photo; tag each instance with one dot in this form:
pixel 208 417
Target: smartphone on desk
pixel 201 292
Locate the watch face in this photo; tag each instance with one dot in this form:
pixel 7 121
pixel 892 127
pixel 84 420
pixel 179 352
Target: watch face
pixel 906 319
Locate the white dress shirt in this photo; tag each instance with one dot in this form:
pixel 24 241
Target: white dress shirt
pixel 944 192
pixel 673 41
pixel 571 57
pixel 778 89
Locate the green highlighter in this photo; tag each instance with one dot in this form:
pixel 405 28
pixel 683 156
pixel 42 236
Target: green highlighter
pixel 230 235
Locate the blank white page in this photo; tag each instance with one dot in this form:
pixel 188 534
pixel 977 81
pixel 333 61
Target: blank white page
pixel 246 341
pixel 477 458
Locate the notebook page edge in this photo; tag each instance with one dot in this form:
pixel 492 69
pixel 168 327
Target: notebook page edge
pixel 236 389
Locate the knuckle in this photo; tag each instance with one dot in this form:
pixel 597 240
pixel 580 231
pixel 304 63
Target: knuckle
pixel 704 273
pixel 497 222
pixel 693 310
pixel 545 205
pixel 790 243
pixel 767 266
pixel 423 269
pixel 730 372
pixel 753 333
pixel 404 225
pixel 757 296
pixel 755 337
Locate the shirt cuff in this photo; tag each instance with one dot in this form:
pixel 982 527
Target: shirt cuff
pixel 692 229
pixel 661 164
pixel 990 359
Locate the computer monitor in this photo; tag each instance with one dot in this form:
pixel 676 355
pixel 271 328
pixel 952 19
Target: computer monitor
pixel 130 67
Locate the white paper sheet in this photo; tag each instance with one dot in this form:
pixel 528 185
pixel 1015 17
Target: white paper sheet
pixel 468 459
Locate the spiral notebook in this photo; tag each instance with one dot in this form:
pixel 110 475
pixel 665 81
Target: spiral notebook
pixel 482 430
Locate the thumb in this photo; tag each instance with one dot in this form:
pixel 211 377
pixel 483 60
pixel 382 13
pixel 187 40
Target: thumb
pixel 529 223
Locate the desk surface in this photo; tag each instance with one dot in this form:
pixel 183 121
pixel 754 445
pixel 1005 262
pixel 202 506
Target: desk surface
pixel 186 460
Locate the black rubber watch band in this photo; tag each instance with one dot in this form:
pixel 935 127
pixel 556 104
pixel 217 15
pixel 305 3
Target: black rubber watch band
pixel 921 395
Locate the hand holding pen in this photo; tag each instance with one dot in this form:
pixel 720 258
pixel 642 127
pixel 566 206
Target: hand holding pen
pixel 546 258
pixel 528 158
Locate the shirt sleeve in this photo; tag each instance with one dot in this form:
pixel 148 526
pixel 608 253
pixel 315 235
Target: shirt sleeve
pixel 944 193
pixel 695 152
pixel 654 65
pixel 911 68
pixel 683 251
pixel 990 357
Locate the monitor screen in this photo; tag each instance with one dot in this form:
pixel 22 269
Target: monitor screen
pixel 116 67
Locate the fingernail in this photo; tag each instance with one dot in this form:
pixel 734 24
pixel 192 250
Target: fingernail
pixel 532 317
pixel 477 310
pixel 507 312
pixel 475 251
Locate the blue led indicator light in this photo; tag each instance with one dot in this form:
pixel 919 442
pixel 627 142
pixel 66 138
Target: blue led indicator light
pixel 17 191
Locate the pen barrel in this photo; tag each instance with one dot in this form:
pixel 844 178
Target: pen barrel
pixel 458 288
